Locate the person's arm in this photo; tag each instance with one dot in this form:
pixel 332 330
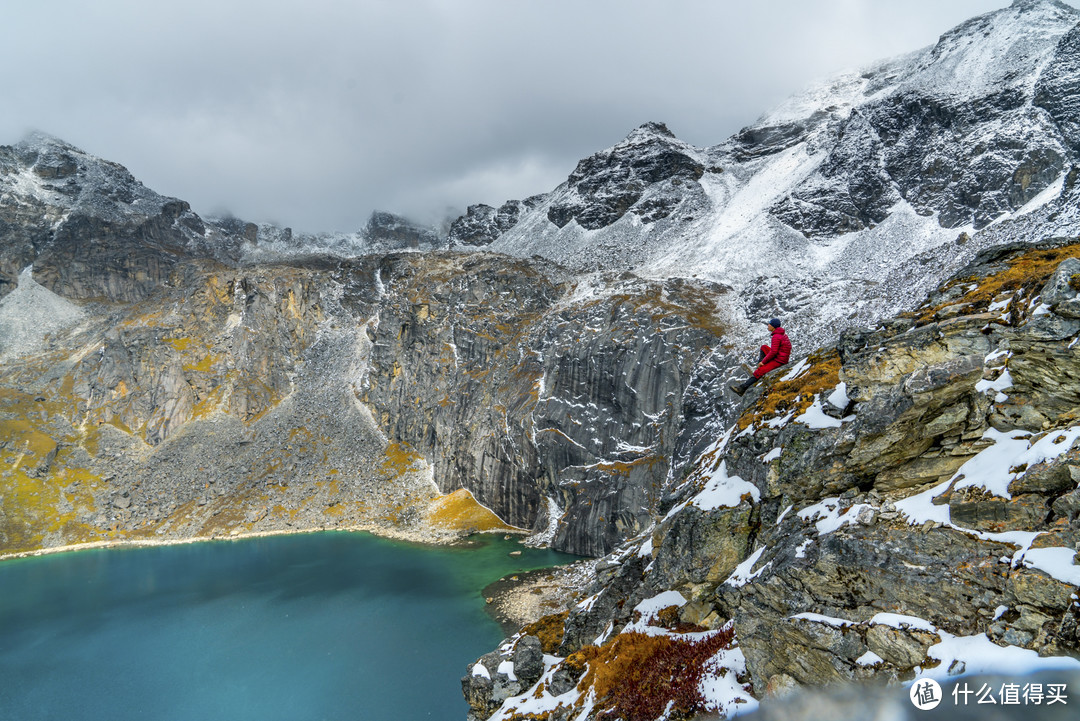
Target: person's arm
pixel 774 350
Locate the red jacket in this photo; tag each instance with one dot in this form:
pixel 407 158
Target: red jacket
pixel 780 350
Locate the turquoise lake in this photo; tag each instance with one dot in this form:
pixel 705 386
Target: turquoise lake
pixel 321 626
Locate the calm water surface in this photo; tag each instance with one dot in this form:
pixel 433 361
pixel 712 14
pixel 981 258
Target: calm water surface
pixel 314 626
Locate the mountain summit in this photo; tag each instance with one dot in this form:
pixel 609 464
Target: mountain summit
pixel 845 186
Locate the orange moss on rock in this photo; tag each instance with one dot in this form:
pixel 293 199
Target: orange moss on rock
pixel 781 397
pixel 461 511
pixel 1023 276
pixel 639 677
pixel 550 630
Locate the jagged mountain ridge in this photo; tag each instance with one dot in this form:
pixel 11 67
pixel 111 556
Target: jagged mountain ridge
pixel 810 212
pixel 842 184
pixel 59 205
pixel 55 199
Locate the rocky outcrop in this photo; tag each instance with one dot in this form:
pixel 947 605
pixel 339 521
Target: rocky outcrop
pixel 532 399
pixel 90 228
pixel 900 505
pixel 387 232
pixel 482 224
pixel 866 702
pixel 606 185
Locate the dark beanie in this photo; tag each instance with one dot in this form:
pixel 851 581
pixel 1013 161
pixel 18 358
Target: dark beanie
pixel 775 323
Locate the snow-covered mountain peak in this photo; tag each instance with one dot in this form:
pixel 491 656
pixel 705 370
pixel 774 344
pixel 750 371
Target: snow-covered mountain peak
pixel 44 170
pixel 847 184
pixel 38 142
pixel 647 132
pixel 993 52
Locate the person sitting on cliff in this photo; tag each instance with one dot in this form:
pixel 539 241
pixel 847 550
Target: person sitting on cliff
pixel 772 357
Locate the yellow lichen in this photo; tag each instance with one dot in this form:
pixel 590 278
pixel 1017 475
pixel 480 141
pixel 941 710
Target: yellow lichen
pixel 1024 274
pixel 181 343
pixel 20 436
pixel 400 459
pixel 780 397
pixel 462 512
pixel 205 365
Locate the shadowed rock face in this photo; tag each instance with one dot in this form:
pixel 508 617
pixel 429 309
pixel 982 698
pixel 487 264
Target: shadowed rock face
pixel 90 228
pixel 88 258
pixel 482 224
pixel 969 157
pixel 1058 87
pixel 386 232
pixel 920 149
pixel 606 185
pixel 528 399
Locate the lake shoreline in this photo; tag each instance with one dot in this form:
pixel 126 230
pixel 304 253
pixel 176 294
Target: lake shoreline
pixel 426 539
pixel 517 600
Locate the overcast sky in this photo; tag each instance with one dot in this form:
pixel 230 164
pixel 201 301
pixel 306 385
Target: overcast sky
pixel 312 114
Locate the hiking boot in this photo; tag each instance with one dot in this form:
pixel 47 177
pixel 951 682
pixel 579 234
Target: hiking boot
pixel 740 388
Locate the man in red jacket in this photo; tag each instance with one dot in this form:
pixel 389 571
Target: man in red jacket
pixel 772 357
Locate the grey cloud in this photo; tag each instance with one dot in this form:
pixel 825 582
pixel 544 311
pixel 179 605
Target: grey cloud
pixel 314 113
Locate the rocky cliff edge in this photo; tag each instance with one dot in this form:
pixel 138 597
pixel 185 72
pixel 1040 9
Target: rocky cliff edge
pixel 902 505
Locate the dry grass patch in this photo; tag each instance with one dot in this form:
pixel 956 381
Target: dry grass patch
pixel 637 677
pixel 550 630
pixel 796 395
pixel 461 511
pixel 1024 276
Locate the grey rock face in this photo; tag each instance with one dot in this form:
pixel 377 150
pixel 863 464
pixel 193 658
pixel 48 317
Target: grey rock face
pixel 528 660
pixel 1058 87
pixel 969 159
pixel 978 182
pixel 1063 285
pixel 386 232
pixel 482 224
pixel 89 227
pixel 853 191
pixel 605 186
pixel 516 393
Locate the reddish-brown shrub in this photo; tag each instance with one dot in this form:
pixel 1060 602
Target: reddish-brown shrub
pixel 636 676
